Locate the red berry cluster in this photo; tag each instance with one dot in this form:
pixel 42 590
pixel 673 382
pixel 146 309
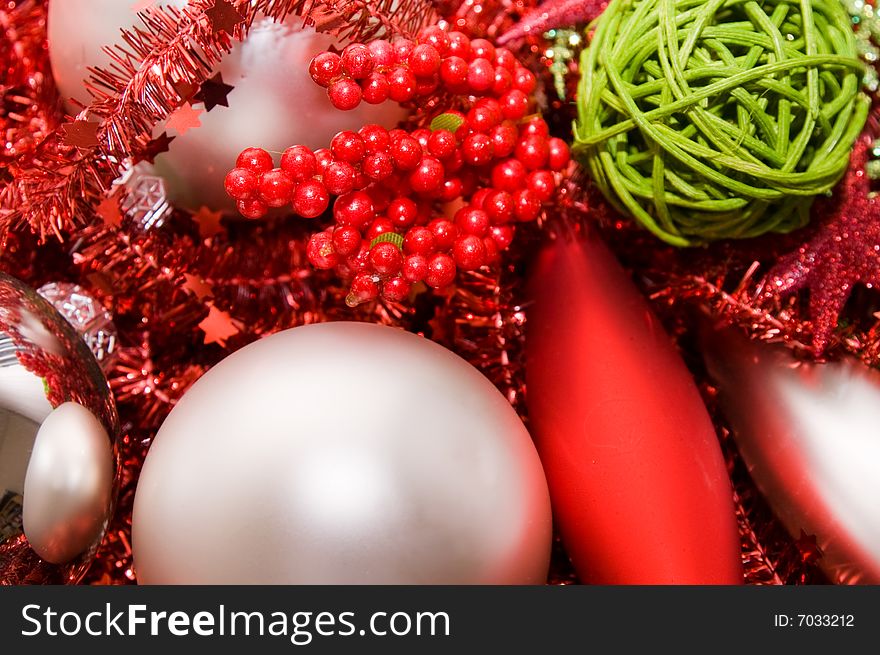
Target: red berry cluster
pixel 415 207
pixel 404 71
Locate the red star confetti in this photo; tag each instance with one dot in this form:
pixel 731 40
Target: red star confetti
pixel 218 326
pixel 109 211
pixel 184 119
pixel 553 13
pixel 156 147
pixel 209 222
pixel 197 286
pixel 82 134
pixel 184 90
pixel 845 251
pixel 214 92
pixel 224 16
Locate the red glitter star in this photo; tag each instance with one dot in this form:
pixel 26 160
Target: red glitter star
pixel 184 119
pixel 845 251
pixel 553 13
pixel 198 287
pixel 82 134
pixel 214 92
pixel 218 326
pixel 156 147
pixel 224 16
pixel 109 211
pixel 209 222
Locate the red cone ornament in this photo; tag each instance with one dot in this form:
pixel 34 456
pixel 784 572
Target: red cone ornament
pixel 810 436
pixel 638 483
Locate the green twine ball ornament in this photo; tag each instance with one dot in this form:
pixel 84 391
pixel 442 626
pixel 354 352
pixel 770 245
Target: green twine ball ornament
pixel 719 119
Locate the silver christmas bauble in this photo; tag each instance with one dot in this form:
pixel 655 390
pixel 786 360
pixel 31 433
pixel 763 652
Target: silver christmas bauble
pixel 342 453
pixel 810 437
pixel 58 425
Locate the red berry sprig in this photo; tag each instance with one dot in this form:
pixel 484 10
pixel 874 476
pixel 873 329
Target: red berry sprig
pixel 415 206
pixel 405 71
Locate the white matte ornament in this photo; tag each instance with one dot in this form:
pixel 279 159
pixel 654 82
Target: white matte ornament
pixel 342 453
pixel 274 104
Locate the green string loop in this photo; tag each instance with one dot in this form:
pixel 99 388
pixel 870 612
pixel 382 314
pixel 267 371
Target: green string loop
pixel 715 119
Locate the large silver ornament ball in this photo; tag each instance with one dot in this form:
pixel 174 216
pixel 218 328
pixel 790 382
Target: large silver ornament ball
pixel 342 453
pixel 274 104
pixel 58 426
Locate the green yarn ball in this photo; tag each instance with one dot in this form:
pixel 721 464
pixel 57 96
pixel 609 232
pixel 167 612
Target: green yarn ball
pixel 719 119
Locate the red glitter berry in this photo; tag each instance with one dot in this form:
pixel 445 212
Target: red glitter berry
pixel 382 52
pixel 345 94
pixel 419 241
pixel 240 183
pixel 402 50
pixel 454 73
pixel 276 187
pixel 256 160
pixel 459 46
pixel 357 61
pixel 483 49
pixel 559 154
pixel 402 212
pixel 451 189
pixel 310 199
pixel 526 205
pixel 478 150
pixel 386 259
pixel 502 235
pixel 424 60
pixel 354 209
pixel 445 233
pixel 396 289
pixel 339 177
pixel 472 221
pixel 514 104
pixel 252 208
pixel 509 175
pixel 406 153
pixel 401 85
pixel 524 80
pixel 469 252
pixel 435 35
pixel 480 75
pixel 425 86
pixel 378 166
pixel 325 68
pixel 492 252
pixel 532 151
pixel 346 240
pixel 427 176
pixel 503 81
pixel 442 144
pixel 379 226
pixel 504 138
pixel 542 184
pixel 535 126
pixel 484 117
pixel 375 138
pixel 320 251
pixel 374 89
pixel 415 268
pixel 505 59
pixel 498 205
pixel 348 146
pixel 300 162
pixel 324 158
pixel 441 271
pixel 363 289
